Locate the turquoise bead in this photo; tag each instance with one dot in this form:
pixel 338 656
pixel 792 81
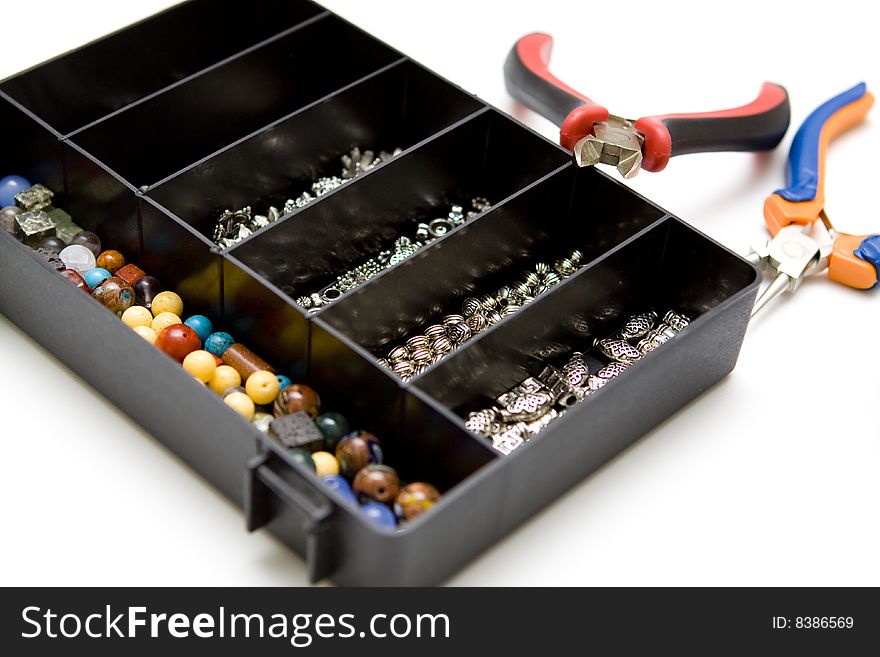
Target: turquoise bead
pixel 96 276
pixel 339 483
pixel 283 381
pixel 218 343
pixel 334 426
pixel 380 514
pixel 201 325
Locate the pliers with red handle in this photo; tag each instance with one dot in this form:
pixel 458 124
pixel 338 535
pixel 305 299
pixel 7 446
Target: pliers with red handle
pixel 594 135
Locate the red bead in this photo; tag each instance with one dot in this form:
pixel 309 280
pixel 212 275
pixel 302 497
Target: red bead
pixel 178 340
pixel 131 274
pixel 74 277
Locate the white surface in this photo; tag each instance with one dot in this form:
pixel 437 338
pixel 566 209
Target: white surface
pixel 770 478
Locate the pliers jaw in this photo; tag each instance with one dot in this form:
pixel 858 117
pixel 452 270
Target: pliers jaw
pixel 615 142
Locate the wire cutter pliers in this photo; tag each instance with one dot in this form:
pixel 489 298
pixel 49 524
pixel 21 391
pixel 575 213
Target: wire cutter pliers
pixel 594 135
pixel 793 212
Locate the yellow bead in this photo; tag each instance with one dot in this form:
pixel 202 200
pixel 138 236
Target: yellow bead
pixel 146 333
pixel 241 404
pixel 137 316
pixel 224 378
pixel 325 464
pixel 167 302
pixel 201 365
pixel 164 320
pixel 262 387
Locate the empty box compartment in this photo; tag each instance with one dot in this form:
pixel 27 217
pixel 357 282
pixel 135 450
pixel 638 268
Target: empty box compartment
pixel 82 86
pixel 151 140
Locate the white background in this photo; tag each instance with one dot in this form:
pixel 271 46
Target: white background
pixel 770 478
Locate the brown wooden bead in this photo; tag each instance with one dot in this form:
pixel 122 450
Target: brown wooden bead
pixel 378 483
pixel 296 398
pixel 244 361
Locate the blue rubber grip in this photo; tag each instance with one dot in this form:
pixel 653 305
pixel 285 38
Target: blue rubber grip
pixel 869 250
pixel 803 158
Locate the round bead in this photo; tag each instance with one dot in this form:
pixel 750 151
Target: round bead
pixel 137 316
pixel 325 464
pixel 200 364
pixel 78 257
pixel 262 387
pixel 283 381
pixel 7 217
pixel 241 404
pixel 95 276
pixel 53 245
pixel 262 421
pixel 357 450
pixel 376 482
pixel 89 240
pixel 339 483
pixel 334 426
pixel 414 499
pixel 111 260
pixel 167 302
pixel 296 398
pixel 116 295
pixel 218 343
pixel 299 455
pixel 164 320
pixel 201 325
pixel 380 514
pixel 10 186
pixel 145 290
pixel 76 278
pixel 146 333
pixel 225 377
pixel 177 341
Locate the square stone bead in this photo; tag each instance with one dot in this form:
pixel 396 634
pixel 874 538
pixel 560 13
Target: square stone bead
pixel 65 228
pixel 131 274
pixel 33 227
pixel 35 198
pixel 297 430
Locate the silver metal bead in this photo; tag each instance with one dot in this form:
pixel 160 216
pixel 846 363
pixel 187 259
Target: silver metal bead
pixel 470 306
pixel 459 332
pixel 564 267
pixel 477 322
pixel 416 342
pixel 439 227
pixel 532 280
pixel 488 302
pixel 637 326
pixel 676 321
pixel 515 406
pixel 493 317
pixel 404 369
pixel 576 257
pixel 305 302
pixel 398 354
pixel 618 350
pixel 542 269
pixel 422 355
pixel 551 279
pixel 442 345
pixel 383 362
pixel 452 319
pixel 435 331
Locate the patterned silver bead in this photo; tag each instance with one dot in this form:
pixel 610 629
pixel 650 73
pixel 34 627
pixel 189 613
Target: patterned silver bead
pixel 515 406
pixel 441 345
pixel 470 306
pixel 676 321
pixel 398 354
pixel 452 319
pixel 564 267
pixel 488 302
pixel 435 331
pixel 551 279
pixel 493 317
pixel 637 326
pixel 532 280
pixel 422 355
pixel 618 350
pixel 404 369
pixel 416 342
pixel 576 257
pixel 459 332
pixel 576 370
pixel 542 269
pixel 477 322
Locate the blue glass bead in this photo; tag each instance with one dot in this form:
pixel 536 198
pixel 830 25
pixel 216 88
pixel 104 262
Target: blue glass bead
pixel 96 276
pixel 9 187
pixel 201 325
pixel 334 426
pixel 283 381
pixel 380 514
pixel 218 343
pixel 339 483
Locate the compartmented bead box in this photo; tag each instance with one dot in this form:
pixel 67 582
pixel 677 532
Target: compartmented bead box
pixel 443 276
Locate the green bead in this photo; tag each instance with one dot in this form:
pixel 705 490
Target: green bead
pixel 334 426
pixel 300 455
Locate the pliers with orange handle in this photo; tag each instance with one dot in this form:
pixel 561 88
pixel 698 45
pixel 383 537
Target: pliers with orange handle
pixel 792 254
pixel 596 136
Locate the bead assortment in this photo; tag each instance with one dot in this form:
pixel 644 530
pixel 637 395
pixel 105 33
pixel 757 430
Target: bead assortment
pixel 232 226
pixel 404 246
pixel 526 409
pixel 350 462
pixel 435 341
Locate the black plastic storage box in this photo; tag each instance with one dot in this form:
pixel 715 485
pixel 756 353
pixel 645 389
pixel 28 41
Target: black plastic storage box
pixel 147 134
